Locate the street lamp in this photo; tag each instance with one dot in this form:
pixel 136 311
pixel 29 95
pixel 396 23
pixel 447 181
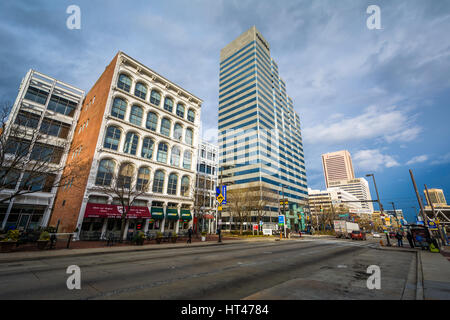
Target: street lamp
pixel 379 202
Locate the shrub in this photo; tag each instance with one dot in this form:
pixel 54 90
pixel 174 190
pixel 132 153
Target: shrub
pixel 12 235
pixel 159 234
pixel 44 236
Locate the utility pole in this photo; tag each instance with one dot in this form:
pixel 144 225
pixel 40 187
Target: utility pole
pixel 379 203
pixel 435 215
pixel 395 214
pixel 422 211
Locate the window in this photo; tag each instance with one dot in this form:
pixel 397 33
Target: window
pixel 105 172
pixel 180 110
pixel 158 182
pixel 136 115
pixel 165 127
pixel 209 155
pixel 18 147
pixel 112 138
pixel 125 176
pixel 175 157
pixel 140 90
pixel 54 128
pixel 168 104
pixel 46 153
pixel 124 83
pixel 172 185
pixel 147 148
pixel 203 153
pixel 188 138
pixel 62 106
pixel 152 121
pixel 9 178
pixel 178 132
pixel 119 108
pixel 208 169
pixel 33 181
pixel 36 95
pixel 187 160
pixel 27 119
pixel 131 142
pixel 185 182
pixel 162 152
pixel 155 97
pixel 143 179
pixel 191 115
pixel 202 168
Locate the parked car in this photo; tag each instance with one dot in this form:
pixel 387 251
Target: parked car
pixel 376 235
pixel 358 235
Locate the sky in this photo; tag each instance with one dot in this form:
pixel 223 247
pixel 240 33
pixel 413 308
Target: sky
pixel 382 94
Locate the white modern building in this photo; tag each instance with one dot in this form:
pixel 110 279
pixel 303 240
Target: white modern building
pixel 41 124
pixel 359 187
pixel 339 198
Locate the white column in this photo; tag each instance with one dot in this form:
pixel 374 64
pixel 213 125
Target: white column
pixel 147 221
pixel 126 230
pixel 163 222
pixel 105 224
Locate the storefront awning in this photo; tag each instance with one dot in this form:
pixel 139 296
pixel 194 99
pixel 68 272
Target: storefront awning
pixel 157 213
pixel 186 214
pixel 100 210
pixel 208 216
pixel 172 213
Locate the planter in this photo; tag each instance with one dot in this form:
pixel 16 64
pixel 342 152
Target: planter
pixel 42 244
pixel 140 242
pixel 203 238
pixel 174 239
pixel 158 240
pixel 7 246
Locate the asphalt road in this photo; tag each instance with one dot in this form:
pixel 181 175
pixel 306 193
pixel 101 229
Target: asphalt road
pixel 290 269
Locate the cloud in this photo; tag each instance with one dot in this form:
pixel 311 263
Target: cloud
pixel 442 159
pixel 373 160
pixel 418 159
pixel 391 125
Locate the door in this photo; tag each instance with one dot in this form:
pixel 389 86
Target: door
pixel 23 221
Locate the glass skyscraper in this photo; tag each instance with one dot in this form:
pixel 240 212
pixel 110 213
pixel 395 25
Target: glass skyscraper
pixel 259 132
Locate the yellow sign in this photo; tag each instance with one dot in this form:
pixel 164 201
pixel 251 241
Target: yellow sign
pixel 219 208
pixel 220 198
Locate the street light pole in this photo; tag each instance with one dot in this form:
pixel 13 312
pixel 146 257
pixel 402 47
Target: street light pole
pixel 379 203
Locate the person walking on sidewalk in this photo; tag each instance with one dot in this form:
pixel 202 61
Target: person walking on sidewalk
pixel 410 239
pixel 399 237
pixel 189 235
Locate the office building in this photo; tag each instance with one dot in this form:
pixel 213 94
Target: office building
pixel 260 142
pixel 337 166
pixel 38 132
pixel 437 197
pixel 205 205
pixel 323 199
pixel 137 126
pixel 358 187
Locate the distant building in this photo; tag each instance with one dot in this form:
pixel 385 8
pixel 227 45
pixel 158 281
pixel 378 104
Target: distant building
pixel 437 197
pixel 47 108
pixel 337 166
pixel 206 183
pixel 323 199
pixel 359 187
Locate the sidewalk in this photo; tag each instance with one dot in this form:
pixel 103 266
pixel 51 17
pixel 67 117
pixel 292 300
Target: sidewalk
pixel 436 275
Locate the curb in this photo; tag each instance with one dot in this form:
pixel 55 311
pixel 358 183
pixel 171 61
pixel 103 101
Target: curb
pixel 419 277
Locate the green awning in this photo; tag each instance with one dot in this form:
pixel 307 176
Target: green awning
pixel 157 213
pixel 172 213
pixel 186 214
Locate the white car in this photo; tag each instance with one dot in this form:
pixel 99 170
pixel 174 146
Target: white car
pixel 376 235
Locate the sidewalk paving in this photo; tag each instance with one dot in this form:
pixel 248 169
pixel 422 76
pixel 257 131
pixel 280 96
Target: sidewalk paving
pixel 436 275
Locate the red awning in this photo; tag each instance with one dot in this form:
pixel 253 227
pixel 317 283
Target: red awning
pixel 99 210
pixel 208 216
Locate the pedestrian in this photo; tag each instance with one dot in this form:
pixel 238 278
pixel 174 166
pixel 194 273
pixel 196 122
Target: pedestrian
pixel 189 235
pixel 410 239
pixel 399 237
pixel 219 233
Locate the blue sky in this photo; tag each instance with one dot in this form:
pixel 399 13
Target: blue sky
pixel 381 94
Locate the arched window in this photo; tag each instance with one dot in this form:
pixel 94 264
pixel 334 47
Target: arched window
pixel 105 172
pixel 155 97
pixel 140 90
pixel 112 138
pixel 119 108
pixel 189 135
pixel 168 104
pixel 152 121
pixel 185 182
pixel 158 181
pixel 143 179
pixel 136 115
pixel 165 127
pixel 162 152
pixel 175 157
pixel 178 132
pixel 172 184
pixel 180 110
pixel 187 160
pixel 147 148
pixel 125 176
pixel 191 115
pixel 131 142
pixel 124 83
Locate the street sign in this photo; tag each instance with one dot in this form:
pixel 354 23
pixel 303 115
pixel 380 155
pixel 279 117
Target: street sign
pixel 219 208
pixel 220 198
pixel 432 225
pixel 267 232
pixel 255 227
pixel 280 219
pixel 224 194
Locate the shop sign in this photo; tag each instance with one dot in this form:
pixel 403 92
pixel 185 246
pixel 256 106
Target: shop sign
pixel 100 210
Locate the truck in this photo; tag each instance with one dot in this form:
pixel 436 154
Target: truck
pixel 344 229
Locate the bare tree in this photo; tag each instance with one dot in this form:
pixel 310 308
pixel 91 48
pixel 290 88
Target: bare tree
pixel 125 186
pixel 30 158
pixel 240 205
